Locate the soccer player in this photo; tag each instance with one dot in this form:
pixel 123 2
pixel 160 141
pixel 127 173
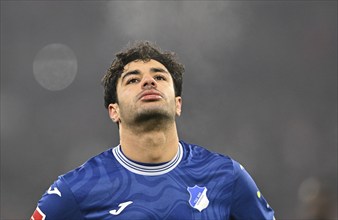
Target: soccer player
pixel 151 174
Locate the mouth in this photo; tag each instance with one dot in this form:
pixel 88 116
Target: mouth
pixel 150 95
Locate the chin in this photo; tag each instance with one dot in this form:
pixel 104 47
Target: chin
pixel 153 114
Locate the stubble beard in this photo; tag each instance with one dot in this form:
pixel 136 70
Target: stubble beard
pixel 149 119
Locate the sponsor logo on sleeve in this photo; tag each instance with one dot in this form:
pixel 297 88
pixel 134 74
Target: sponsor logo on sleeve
pixel 54 190
pixel 38 215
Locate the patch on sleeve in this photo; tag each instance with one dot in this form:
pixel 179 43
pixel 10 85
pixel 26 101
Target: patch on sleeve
pixel 38 215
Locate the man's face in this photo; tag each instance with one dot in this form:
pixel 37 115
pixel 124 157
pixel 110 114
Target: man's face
pixel 145 91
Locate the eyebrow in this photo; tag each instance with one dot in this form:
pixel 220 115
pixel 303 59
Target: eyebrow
pixel 133 72
pixel 137 72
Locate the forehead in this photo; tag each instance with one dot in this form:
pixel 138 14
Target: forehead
pixel 141 64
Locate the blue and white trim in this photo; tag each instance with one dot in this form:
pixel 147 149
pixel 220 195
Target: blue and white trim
pixel 147 170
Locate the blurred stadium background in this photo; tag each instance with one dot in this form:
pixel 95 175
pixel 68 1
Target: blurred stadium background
pixel 260 85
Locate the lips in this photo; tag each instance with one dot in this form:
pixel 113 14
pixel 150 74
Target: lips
pixel 150 95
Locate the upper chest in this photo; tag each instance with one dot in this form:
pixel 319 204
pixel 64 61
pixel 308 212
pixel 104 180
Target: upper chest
pixel 181 194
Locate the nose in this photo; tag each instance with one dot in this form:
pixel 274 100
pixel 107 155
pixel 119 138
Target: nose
pixel 149 83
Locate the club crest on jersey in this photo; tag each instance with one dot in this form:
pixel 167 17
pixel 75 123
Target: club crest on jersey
pixel 198 197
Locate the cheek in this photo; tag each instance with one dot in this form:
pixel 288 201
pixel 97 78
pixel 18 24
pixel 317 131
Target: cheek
pixel 169 90
pixel 126 97
pixel 122 93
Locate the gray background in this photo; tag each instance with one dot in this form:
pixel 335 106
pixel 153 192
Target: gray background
pixel 260 86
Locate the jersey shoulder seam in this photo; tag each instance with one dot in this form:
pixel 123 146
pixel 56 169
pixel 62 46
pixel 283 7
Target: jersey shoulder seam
pixel 72 194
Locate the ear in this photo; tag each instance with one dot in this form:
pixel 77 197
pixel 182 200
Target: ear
pixel 178 105
pixel 114 112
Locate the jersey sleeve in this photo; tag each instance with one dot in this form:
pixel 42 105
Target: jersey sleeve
pixel 57 203
pixel 247 201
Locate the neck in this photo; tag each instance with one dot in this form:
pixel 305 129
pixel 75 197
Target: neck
pixel 149 146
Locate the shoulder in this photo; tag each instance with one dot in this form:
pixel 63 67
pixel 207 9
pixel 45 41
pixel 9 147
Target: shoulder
pixel 200 155
pixel 198 151
pixel 66 196
pixel 91 168
pixel 83 179
pixel 247 201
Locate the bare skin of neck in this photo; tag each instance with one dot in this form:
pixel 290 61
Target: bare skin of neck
pixel 149 145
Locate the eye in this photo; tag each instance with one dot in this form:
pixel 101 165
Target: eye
pixel 159 77
pixel 132 80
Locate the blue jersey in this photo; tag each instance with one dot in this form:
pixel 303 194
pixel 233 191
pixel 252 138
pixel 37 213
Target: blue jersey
pixel 195 184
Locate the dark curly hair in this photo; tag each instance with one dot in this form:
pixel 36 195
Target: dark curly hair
pixel 142 50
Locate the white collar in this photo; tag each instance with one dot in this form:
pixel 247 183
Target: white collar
pixel 145 170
